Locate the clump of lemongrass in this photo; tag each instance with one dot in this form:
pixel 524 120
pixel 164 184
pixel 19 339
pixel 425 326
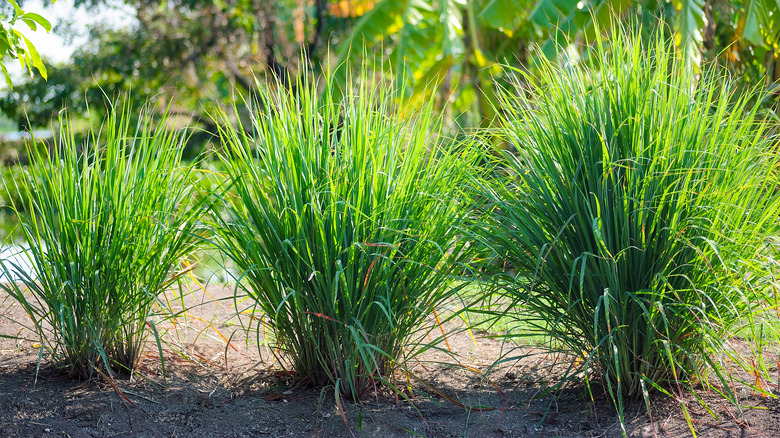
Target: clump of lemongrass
pixel 343 221
pixel 103 225
pixel 636 200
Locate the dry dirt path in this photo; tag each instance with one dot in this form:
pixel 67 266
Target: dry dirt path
pixel 219 390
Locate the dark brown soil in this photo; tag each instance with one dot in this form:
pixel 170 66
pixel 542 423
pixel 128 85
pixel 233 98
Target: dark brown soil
pixel 214 390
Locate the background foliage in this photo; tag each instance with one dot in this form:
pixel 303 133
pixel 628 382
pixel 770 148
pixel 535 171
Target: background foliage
pixel 197 53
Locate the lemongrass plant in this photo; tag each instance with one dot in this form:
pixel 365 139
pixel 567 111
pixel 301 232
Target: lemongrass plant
pixel 103 222
pixel 343 221
pixel 637 200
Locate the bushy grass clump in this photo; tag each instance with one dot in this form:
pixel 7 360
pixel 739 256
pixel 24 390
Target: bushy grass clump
pixel 104 223
pixel 343 219
pixel 638 202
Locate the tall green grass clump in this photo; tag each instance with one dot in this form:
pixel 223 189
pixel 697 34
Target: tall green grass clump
pixel 343 219
pixel 638 203
pixel 103 223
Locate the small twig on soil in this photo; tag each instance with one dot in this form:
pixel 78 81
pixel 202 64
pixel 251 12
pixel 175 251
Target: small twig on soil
pixel 727 429
pixel 663 425
pixel 115 387
pixel 142 397
pixel 738 422
pixel 742 424
pixel 40 424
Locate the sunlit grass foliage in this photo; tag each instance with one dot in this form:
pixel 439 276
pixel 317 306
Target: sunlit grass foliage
pixel 638 202
pixel 104 223
pixel 343 221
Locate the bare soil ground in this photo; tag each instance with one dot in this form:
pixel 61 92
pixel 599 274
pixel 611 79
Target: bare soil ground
pixel 215 389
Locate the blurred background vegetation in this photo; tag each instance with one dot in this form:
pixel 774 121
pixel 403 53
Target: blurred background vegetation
pixel 191 56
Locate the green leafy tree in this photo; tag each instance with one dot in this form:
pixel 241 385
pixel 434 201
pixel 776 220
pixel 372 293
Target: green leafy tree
pixel 15 45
